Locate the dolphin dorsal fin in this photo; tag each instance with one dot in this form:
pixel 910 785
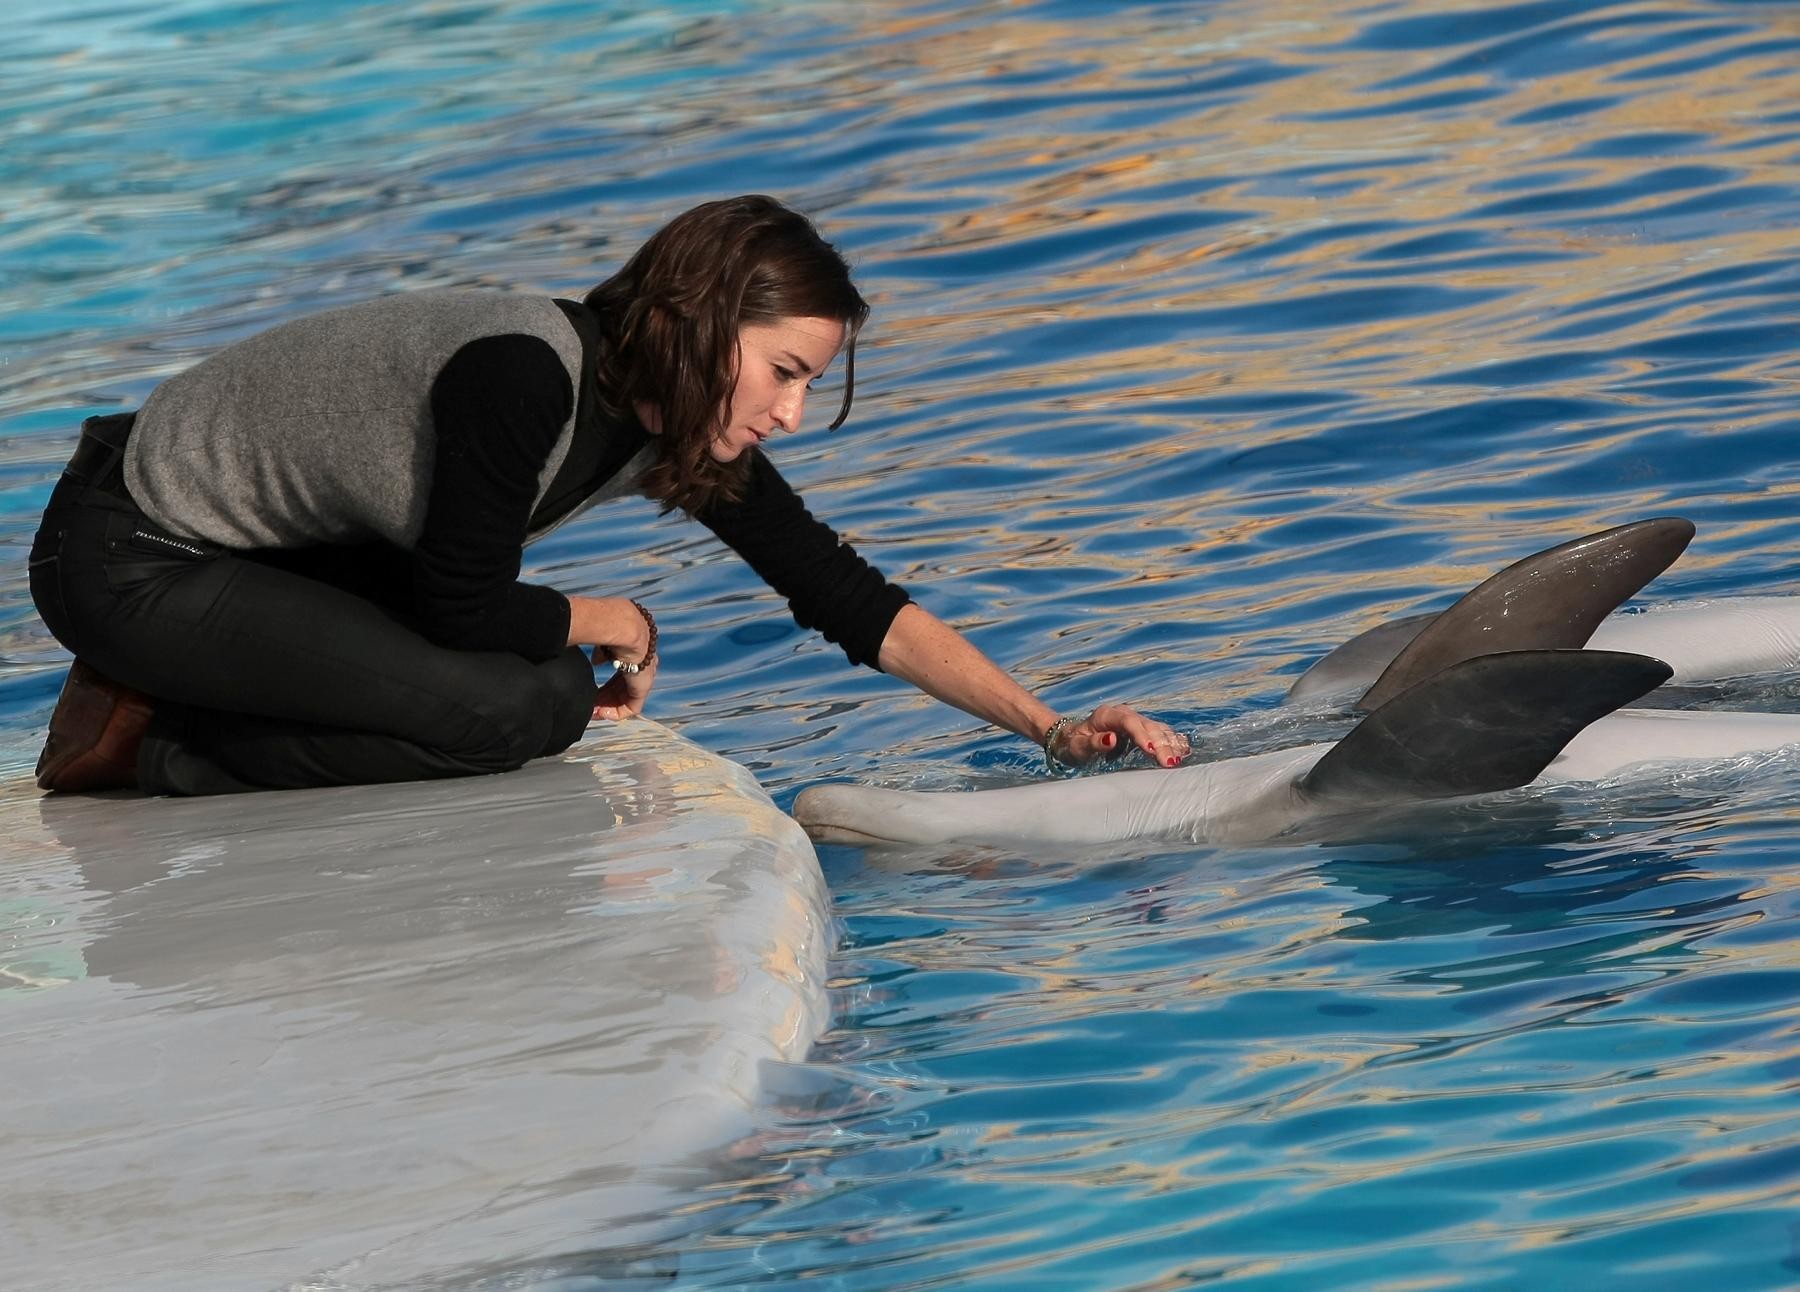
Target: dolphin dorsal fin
pixel 1589 576
pixel 1551 600
pixel 1484 724
pixel 1359 661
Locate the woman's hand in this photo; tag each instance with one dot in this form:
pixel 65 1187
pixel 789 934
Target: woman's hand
pixel 624 694
pixel 933 656
pixel 1112 730
pixel 621 631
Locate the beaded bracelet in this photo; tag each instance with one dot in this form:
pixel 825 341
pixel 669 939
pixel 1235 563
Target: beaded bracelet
pixel 650 654
pixel 1056 729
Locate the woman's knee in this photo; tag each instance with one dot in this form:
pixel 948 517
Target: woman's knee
pixel 532 710
pixel 570 679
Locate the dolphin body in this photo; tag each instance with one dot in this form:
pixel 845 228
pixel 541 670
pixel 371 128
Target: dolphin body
pixel 1706 640
pixel 1283 794
pixel 1463 703
pixel 1565 597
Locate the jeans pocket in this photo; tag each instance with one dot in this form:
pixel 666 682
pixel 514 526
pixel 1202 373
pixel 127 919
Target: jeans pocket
pixel 164 577
pixel 138 555
pixel 136 536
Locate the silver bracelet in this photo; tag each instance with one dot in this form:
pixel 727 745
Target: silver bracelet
pixel 1056 729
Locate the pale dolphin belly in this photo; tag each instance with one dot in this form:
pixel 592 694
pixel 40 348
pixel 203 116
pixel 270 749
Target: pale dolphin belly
pixel 1646 738
pixel 1704 641
pixel 1236 799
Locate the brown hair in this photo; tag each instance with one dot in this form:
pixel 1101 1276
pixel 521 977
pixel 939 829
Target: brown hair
pixel 670 318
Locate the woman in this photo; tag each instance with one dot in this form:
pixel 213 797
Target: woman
pixel 298 564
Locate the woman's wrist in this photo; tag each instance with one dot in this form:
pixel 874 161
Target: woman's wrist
pixel 649 656
pixel 618 628
pixel 1053 735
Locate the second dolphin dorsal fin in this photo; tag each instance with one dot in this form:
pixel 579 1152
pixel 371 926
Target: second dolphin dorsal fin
pixel 1359 661
pixel 1484 724
pixel 1551 600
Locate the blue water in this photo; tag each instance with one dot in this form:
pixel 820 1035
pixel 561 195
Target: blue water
pixel 1205 335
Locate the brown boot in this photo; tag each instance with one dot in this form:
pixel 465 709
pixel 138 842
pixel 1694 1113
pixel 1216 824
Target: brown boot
pixel 94 734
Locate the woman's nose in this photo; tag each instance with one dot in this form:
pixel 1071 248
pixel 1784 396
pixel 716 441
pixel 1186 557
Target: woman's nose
pixel 790 408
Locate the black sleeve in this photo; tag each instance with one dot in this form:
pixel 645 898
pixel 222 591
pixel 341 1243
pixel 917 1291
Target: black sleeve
pixel 498 406
pixel 827 585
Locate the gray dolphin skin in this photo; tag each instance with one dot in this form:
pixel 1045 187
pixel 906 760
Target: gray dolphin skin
pixel 1551 600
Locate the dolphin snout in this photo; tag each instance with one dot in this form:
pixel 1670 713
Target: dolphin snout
pixel 825 813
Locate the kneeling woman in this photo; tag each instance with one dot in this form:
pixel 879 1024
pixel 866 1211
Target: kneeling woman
pixel 298 564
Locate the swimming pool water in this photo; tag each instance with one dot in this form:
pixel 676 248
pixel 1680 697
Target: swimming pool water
pixel 1206 335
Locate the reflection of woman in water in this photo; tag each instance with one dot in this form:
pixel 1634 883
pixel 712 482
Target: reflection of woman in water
pixel 298 564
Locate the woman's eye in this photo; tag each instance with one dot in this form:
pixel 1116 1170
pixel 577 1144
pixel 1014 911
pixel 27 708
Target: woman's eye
pixel 786 374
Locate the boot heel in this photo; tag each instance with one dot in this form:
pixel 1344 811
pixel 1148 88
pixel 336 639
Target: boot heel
pixel 94 735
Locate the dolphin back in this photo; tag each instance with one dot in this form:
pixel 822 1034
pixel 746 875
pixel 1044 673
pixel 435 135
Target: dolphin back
pixel 1485 724
pixel 1550 600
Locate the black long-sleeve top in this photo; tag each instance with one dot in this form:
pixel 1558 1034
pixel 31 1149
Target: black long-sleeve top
pixel 499 405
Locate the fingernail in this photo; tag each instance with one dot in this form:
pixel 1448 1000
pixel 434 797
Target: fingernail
pixel 1170 762
pixel 1110 739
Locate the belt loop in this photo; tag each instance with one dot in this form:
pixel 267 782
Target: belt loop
pixel 99 457
pixel 111 429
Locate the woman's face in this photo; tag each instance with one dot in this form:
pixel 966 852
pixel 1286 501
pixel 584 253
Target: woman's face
pixel 777 363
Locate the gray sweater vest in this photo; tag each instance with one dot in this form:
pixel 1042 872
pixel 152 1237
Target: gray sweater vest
pixel 320 430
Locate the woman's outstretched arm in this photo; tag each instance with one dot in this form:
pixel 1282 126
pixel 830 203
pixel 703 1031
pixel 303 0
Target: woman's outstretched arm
pixel 927 652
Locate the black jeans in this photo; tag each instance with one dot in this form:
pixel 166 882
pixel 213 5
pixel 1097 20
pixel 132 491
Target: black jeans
pixel 268 677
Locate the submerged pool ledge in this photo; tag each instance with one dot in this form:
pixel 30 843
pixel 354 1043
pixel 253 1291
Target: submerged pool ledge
pixel 357 1037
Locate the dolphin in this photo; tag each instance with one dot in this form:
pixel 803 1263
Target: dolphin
pixel 1566 597
pixel 1523 681
pixel 1481 726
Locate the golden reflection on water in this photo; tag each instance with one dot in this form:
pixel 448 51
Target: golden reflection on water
pixel 1426 169
pixel 1314 195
